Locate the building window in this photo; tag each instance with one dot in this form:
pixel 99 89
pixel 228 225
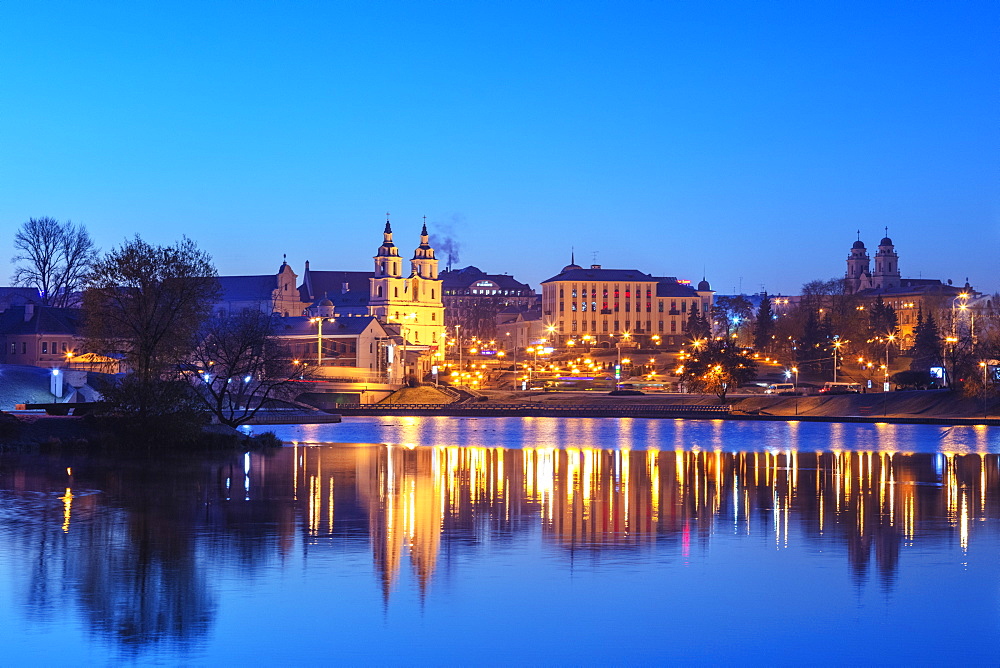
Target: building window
pixel 24 347
pixel 628 305
pixel 573 306
pixel 574 326
pixel 434 317
pixel 617 328
pixel 574 293
pixel 13 349
pixel 659 305
pixel 45 347
pixel 649 325
pixel 583 306
pixel 432 293
pixel 659 326
pixel 395 292
pixel 561 326
pixel 673 326
pixel 684 307
pixel 561 309
pixel 605 327
pixel 593 306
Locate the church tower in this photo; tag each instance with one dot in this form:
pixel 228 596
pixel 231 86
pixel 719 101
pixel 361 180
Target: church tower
pixel 424 264
pixel 858 264
pixel 886 274
pixel 413 303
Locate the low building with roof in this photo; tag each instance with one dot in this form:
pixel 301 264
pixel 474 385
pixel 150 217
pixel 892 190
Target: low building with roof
pixel 269 293
pixel 18 296
pixel 612 304
pixel 43 336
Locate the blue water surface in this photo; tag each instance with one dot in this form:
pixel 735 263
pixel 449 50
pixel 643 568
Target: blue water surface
pixel 513 541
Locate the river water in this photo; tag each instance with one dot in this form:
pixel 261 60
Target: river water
pixel 512 541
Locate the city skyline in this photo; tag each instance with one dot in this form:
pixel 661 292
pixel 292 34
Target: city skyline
pixel 739 142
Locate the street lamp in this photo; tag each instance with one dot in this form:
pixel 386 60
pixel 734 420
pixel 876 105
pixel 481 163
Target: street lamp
pixel 836 349
pixel 319 339
pixel 888 341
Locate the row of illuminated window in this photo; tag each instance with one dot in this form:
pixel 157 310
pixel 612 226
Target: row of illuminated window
pixel 605 292
pixel 484 291
pixel 605 326
pixel 45 347
pixel 615 306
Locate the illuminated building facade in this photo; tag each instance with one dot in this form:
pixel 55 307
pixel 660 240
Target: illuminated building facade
pixel 950 304
pixel 609 303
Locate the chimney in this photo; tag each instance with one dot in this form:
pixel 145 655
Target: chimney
pixel 29 312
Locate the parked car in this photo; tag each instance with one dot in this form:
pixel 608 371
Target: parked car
pixel 841 388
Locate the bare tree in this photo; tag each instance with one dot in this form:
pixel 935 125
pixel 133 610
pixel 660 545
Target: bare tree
pixel 146 304
pixel 240 366
pixel 54 258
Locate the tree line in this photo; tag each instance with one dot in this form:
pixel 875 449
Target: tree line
pixel 151 307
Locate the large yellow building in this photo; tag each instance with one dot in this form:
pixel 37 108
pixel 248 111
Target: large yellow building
pixel 610 303
pixel 412 302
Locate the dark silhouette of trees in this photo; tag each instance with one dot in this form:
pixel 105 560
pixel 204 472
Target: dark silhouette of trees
pixel 146 305
pixel 730 314
pixel 717 366
pixel 697 326
pixel 239 366
pixel 926 351
pixel 54 258
pixel 764 328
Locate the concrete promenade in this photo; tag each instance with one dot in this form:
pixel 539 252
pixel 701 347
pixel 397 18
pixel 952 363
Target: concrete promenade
pixel 648 411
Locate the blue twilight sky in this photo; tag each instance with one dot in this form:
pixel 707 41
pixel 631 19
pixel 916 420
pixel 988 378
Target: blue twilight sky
pixel 750 139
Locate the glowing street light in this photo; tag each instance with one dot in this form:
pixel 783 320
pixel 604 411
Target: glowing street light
pixel 319 338
pixel 837 343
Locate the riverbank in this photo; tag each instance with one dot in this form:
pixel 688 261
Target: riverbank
pixel 912 407
pixel 29 432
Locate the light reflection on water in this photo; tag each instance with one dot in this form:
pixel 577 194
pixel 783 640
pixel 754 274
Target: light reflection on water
pixel 533 537
pixel 633 433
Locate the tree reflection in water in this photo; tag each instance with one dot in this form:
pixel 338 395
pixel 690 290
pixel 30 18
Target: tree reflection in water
pixel 132 547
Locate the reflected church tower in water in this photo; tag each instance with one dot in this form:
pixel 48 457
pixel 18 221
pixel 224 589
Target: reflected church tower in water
pixel 414 500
